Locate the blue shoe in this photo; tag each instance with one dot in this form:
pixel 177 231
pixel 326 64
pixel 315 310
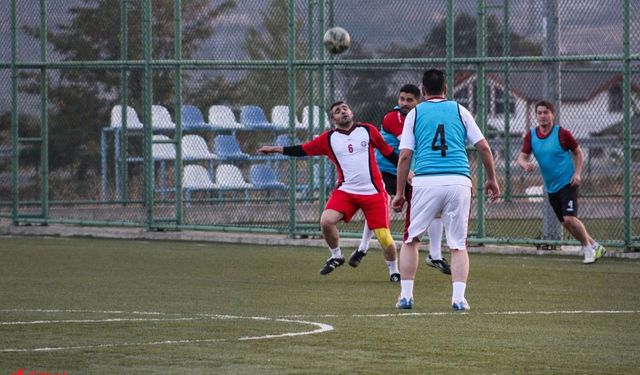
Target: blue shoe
pixel 461 306
pixel 405 304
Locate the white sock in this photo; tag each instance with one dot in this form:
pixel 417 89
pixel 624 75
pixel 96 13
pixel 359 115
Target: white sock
pixel 406 289
pixel 458 291
pixel 336 253
pixel 393 266
pixel 367 234
pixel 435 239
pixel 595 245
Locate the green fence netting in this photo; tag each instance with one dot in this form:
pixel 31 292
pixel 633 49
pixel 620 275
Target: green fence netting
pixel 149 113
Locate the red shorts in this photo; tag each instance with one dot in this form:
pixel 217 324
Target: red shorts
pixel 374 206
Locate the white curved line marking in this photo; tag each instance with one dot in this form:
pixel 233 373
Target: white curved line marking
pixel 320 328
pixel 98 321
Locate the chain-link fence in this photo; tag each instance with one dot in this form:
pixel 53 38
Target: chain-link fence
pixel 144 113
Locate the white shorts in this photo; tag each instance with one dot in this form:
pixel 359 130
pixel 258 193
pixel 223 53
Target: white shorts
pixel 453 201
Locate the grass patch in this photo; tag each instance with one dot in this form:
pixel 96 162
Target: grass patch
pixel 126 306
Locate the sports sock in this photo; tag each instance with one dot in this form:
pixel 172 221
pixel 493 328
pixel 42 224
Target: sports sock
pixel 595 245
pixel 406 289
pixel 458 291
pixel 435 239
pixel 393 266
pixel 336 253
pixel 367 234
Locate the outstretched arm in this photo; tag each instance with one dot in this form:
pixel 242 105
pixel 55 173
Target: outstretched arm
pixel 270 150
pixel 287 150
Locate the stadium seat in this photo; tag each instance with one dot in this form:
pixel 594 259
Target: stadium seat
pixel 194 147
pixel 532 191
pixel 133 121
pixel 227 148
pixel 280 117
pixel 162 151
pixel 229 178
pixel 192 117
pixel 221 116
pixel 253 117
pixel 195 178
pixel 160 118
pixel 263 177
pixel 283 140
pixel 315 125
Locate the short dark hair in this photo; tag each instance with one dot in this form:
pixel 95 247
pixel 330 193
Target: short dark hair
pixel 544 103
pixel 335 104
pixel 411 89
pixel 433 81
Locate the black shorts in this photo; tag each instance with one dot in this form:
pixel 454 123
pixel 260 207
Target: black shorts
pixel 390 184
pixel 565 202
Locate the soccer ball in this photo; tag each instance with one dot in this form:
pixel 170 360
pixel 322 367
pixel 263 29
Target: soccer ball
pixel 336 40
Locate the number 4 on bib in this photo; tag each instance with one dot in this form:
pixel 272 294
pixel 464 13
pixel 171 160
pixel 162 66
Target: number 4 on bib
pixel 442 144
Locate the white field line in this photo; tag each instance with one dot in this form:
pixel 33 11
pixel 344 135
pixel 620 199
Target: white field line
pixel 320 328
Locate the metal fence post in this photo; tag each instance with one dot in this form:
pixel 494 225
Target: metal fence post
pixel 552 229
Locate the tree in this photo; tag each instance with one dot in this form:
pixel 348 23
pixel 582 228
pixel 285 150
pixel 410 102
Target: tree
pixel 434 43
pixel 268 88
pixel 81 99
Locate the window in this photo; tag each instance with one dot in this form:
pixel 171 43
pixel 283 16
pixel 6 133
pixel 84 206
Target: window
pixel 615 99
pixel 499 102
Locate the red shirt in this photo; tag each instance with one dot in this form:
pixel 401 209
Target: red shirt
pixel 352 152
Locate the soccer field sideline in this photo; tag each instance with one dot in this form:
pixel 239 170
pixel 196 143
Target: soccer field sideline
pixel 56 230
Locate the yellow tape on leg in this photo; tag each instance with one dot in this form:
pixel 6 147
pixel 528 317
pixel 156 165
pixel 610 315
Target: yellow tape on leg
pixel 384 237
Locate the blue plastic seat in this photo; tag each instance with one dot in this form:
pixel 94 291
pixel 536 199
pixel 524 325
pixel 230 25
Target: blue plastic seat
pixel 263 177
pixel 227 147
pixel 253 117
pixel 192 117
pixel 283 140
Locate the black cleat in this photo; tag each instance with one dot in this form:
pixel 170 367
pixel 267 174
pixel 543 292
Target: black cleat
pixel 331 264
pixel 442 264
pixel 394 278
pixel 356 257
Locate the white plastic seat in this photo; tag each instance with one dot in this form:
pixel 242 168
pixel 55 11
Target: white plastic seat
pixel 229 177
pixel 133 121
pixel 315 125
pixel 221 116
pixel 195 178
pixel 280 117
pixel 163 151
pixel 194 147
pixel 160 118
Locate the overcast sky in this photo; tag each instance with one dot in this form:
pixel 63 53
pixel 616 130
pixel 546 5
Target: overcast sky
pixel 586 26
